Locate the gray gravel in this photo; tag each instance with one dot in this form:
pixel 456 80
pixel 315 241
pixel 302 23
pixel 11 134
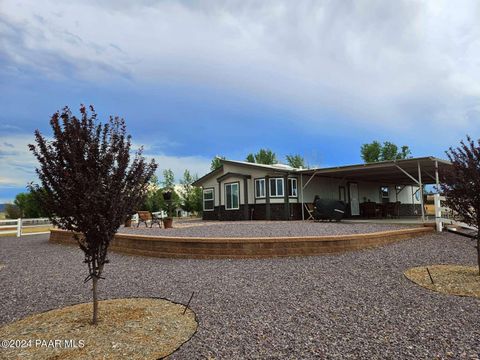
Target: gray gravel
pixel 348 306
pixel 260 228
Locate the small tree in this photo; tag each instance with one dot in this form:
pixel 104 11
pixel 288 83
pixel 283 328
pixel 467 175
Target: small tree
pixel 90 183
pixel 168 179
pixel 263 156
pixel 461 185
pixel 216 163
pixel 168 183
pixel 404 153
pixel 389 151
pixel 371 152
pixel 12 211
pixel 295 161
pixel 29 205
pixel 191 195
pixel 154 200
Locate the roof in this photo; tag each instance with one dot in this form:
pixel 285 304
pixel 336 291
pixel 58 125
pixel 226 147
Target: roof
pixel 275 167
pixel 384 171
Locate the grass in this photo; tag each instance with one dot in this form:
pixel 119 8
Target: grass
pixel 137 328
pixel 447 279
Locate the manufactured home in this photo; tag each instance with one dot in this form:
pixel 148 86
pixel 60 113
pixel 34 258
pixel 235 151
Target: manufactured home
pixel 241 190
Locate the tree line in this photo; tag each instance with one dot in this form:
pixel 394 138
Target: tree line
pixel 370 152
pixel 188 198
pixel 265 157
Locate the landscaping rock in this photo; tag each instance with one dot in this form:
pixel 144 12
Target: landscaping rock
pixel 355 305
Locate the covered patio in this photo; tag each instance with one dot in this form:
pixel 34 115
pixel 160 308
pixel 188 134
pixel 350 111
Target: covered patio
pixel 413 173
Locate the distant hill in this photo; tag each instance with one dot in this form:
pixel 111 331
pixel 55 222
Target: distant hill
pixel 2 207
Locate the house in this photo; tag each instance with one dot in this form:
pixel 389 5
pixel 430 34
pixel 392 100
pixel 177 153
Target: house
pixel 241 190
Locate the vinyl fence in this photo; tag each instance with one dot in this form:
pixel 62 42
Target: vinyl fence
pixel 21 227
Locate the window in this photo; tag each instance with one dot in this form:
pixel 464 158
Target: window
pixel 384 193
pixel 260 188
pixel 276 187
pixel 208 203
pixel 292 187
pixel 231 196
pixel 342 194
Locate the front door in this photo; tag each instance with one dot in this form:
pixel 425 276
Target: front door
pixel 354 202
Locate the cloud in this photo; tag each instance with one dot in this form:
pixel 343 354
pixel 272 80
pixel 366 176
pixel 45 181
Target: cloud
pixel 392 66
pixel 18 164
pixel 197 165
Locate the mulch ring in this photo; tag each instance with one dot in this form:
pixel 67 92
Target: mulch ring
pixel 136 328
pixel 447 279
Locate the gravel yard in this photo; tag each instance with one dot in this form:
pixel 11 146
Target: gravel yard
pixel 259 228
pixel 347 306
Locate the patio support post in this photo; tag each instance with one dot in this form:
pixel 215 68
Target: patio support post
pixel 301 188
pixel 267 197
pixel 438 208
pixel 421 190
pixel 219 200
pixel 286 201
pixel 245 197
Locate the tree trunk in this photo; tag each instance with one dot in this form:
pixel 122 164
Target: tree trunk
pixel 478 251
pixel 95 300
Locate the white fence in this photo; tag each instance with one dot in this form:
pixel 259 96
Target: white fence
pixel 16 226
pixel 445 216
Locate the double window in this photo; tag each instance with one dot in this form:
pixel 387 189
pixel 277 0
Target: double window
pixel 232 194
pixel 276 187
pixel 260 188
pixel 208 202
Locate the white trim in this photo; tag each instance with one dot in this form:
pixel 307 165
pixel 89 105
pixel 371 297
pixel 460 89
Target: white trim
pixel 276 187
pixel 264 188
pixel 238 196
pixel 211 190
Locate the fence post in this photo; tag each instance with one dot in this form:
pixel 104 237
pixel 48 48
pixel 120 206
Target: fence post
pixel 19 227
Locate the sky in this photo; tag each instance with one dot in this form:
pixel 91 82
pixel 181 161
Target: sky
pixel 196 79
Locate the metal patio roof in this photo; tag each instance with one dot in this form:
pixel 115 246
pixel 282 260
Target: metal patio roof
pixel 388 172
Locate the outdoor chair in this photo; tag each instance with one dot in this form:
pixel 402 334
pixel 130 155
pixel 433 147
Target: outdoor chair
pixel 370 210
pixel 156 219
pixel 392 209
pixel 144 217
pixel 309 207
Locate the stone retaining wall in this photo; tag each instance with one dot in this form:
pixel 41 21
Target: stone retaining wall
pixel 260 247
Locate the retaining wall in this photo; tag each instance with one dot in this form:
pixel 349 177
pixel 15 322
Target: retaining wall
pixel 259 247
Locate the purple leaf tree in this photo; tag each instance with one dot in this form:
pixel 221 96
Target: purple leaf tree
pixel 89 181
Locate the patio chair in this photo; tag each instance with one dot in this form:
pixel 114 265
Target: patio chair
pixel 392 209
pixel 143 217
pixel 156 219
pixel 370 210
pixel 309 208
